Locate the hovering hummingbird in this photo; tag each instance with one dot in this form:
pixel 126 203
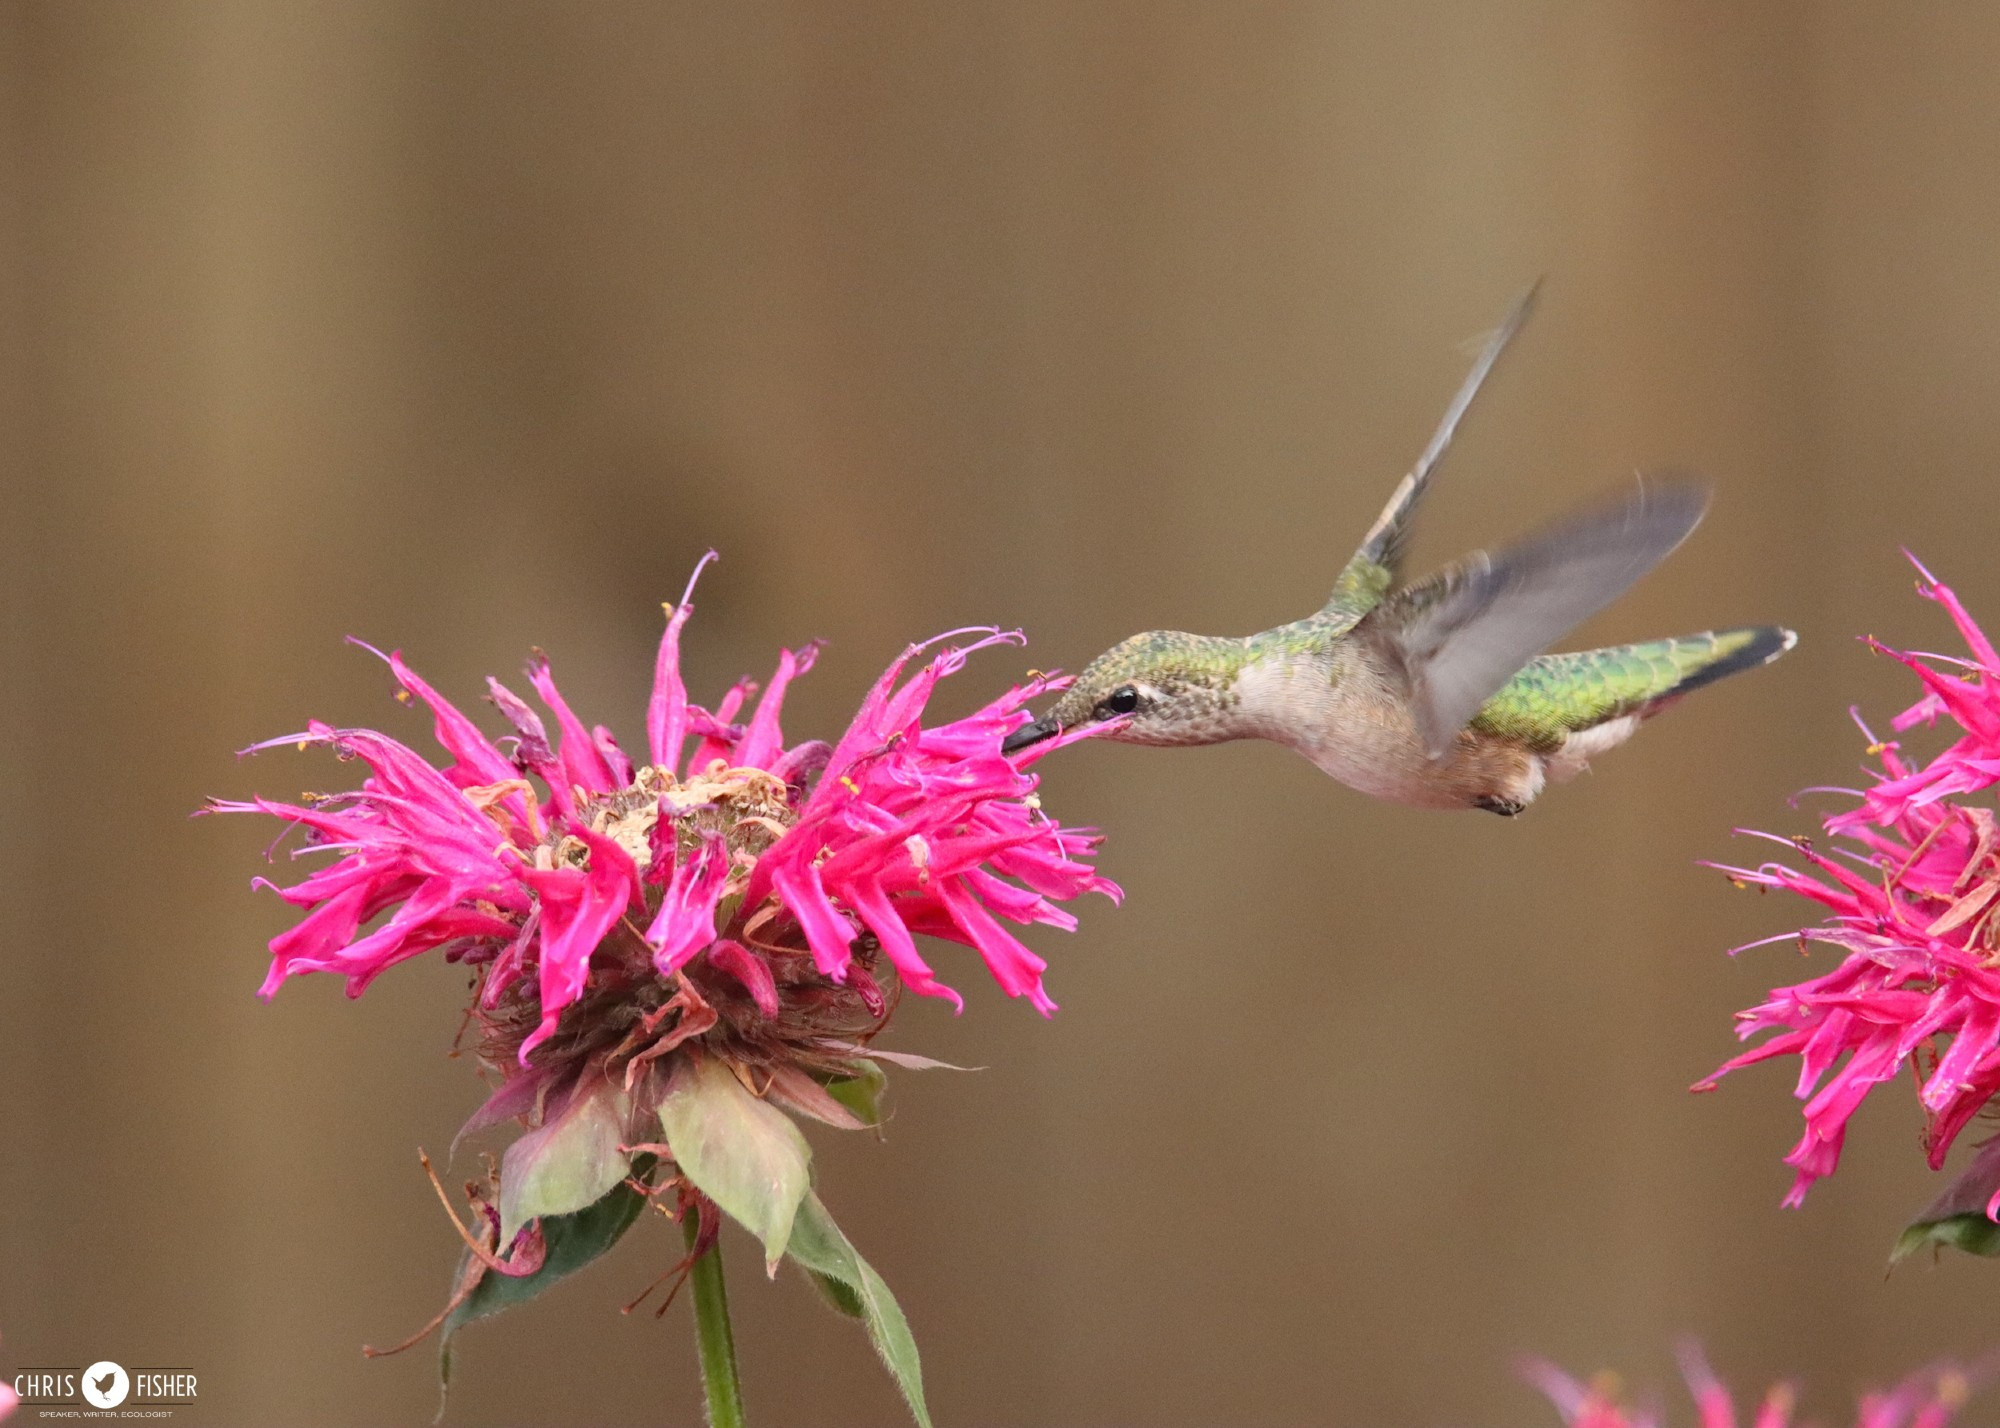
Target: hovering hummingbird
pixel 1435 693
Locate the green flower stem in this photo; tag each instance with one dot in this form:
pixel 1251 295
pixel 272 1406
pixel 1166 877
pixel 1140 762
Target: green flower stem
pixel 719 1383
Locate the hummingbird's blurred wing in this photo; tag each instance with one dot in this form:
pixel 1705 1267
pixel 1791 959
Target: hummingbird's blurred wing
pixel 1463 633
pixel 1372 571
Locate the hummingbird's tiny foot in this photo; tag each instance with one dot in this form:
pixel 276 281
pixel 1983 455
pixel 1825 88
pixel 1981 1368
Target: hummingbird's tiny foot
pixel 1505 807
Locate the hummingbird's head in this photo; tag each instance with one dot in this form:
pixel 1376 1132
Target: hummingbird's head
pixel 1162 687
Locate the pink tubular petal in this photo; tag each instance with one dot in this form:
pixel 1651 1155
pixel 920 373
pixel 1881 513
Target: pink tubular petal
pixel 310 941
pixel 1979 1088
pixel 396 768
pixel 762 741
pixel 1827 1043
pixel 1014 967
pixel 1569 1396
pixel 583 764
pixel 880 917
pixel 718 736
pixel 686 920
pixel 666 710
pixel 512 960
pixel 579 907
pixel 476 756
pixel 1968 629
pixel 1048 865
pixel 358 869
pixel 803 762
pixel 1711 1399
pixel 884 706
pixel 828 934
pixel 1776 1410
pixel 612 869
pixel 615 758
pixel 1975 1038
pixel 1016 904
pixel 532 751
pixel 427 920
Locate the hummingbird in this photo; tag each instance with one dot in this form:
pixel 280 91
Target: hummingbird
pixel 1435 693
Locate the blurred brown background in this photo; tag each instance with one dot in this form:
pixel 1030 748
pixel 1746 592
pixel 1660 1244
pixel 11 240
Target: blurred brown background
pixel 468 327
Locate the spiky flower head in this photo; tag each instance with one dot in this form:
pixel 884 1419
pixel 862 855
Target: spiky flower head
pixel 1913 891
pixel 664 954
pixel 1928 1399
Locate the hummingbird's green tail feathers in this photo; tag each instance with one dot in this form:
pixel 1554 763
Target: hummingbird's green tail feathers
pixel 1372 571
pixel 1559 695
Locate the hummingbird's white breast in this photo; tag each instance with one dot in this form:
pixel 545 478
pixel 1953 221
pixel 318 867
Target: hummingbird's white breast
pixel 1344 712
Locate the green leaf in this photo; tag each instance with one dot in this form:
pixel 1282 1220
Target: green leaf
pixel 741 1152
pixel 1973 1233
pixel 837 1295
pixel 1958 1216
pixel 861 1093
pixel 570 1162
pixel 858 1291
pixel 572 1241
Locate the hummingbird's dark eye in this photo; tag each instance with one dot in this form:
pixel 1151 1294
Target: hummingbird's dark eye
pixel 1122 700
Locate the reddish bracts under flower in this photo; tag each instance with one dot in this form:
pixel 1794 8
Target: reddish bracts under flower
pixel 1914 895
pixel 1928 1399
pixel 750 847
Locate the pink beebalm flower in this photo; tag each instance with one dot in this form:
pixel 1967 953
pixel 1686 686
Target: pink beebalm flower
pixel 664 951
pixel 896 829
pixel 1925 1400
pixel 1913 893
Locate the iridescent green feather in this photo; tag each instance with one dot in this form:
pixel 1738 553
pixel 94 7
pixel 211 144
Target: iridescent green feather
pixel 1359 589
pixel 1557 695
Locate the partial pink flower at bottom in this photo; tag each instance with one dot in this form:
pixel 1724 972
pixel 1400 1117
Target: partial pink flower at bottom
pixel 1928 1399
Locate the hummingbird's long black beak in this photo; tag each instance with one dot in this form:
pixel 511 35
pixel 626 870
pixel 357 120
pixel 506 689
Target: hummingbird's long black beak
pixel 1028 734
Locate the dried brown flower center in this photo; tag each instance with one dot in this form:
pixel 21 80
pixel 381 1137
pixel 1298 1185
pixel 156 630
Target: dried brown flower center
pixel 628 1016
pixel 748 808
